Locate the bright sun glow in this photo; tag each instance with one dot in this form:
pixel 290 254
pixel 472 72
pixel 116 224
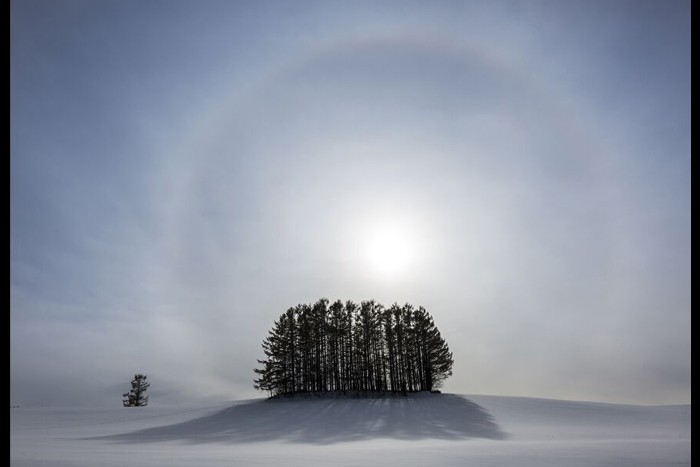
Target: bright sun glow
pixel 390 251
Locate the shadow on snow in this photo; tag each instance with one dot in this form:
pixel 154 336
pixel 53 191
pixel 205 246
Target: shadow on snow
pixel 326 421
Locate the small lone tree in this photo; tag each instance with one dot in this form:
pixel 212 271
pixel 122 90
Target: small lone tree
pixel 136 396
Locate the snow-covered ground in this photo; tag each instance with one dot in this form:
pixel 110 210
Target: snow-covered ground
pixel 424 430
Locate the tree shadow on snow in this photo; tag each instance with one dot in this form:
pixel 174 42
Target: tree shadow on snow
pixel 327 421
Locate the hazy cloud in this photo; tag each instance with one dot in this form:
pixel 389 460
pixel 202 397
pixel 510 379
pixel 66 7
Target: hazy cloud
pixel 182 173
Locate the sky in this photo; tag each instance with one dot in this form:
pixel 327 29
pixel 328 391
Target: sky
pixel 183 172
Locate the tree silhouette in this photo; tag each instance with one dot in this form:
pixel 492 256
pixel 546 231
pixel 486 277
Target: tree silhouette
pixel 351 347
pixel 136 396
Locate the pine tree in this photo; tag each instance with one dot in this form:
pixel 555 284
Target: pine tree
pixel 274 375
pixel 390 343
pixel 136 396
pixel 335 344
pixel 436 359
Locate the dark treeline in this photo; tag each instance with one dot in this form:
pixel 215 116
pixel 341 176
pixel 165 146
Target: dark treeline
pixel 351 347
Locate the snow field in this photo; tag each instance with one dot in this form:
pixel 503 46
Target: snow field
pixel 422 430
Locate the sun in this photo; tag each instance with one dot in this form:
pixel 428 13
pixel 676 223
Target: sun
pixel 389 251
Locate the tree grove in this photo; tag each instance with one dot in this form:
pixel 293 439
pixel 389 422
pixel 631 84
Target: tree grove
pixel 349 347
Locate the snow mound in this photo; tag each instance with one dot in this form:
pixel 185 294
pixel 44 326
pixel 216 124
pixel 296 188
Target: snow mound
pixel 330 420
